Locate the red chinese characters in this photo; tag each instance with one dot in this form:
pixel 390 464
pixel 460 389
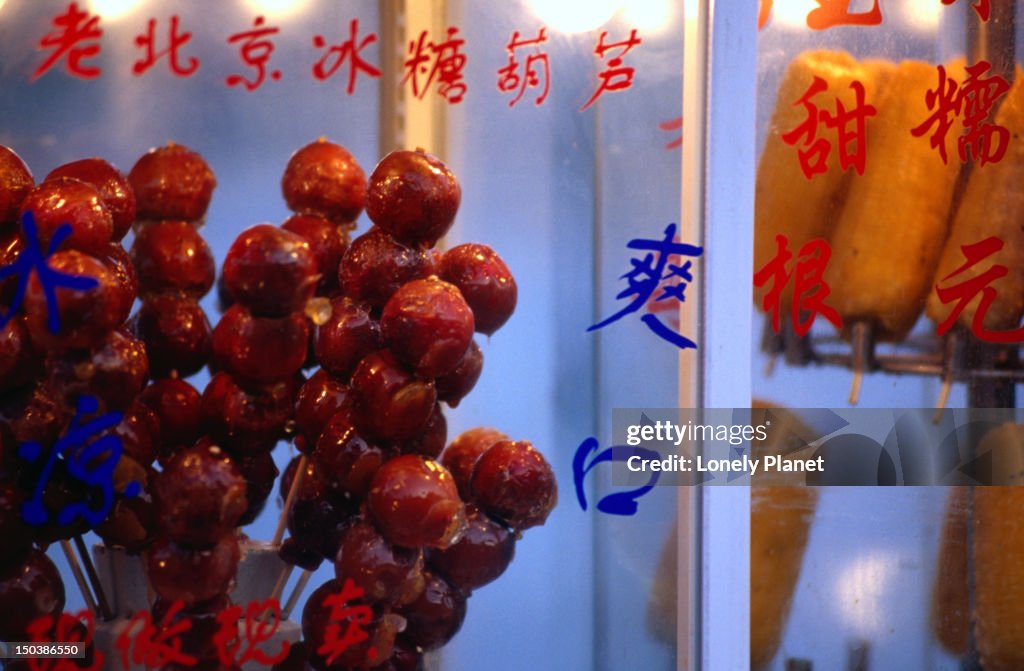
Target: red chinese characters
pixel 337 638
pixel 143 643
pixel 963 293
pixel 441 63
pixel 809 288
pixel 256 49
pixel 981 7
pixel 75 38
pixel 516 77
pixel 986 142
pixel 849 126
pixel 66 628
pixel 672 125
pixel 347 51
pixel 175 40
pixel 615 76
pixel 261 621
pixel 831 13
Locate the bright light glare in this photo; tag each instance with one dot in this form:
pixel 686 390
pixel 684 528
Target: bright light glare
pixel 923 14
pixel 864 590
pixel 792 13
pixel 650 16
pixel 574 16
pixel 277 9
pixel 111 10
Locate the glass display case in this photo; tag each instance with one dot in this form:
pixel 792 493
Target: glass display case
pixel 828 250
pixel 562 124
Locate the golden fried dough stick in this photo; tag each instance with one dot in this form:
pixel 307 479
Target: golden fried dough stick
pixel 786 202
pixel 894 221
pixel 992 205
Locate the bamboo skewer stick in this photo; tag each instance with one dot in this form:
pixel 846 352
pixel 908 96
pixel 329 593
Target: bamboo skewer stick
pixel 282 522
pixel 105 611
pixel 300 586
pixel 282 580
pixel 293 491
pixel 76 570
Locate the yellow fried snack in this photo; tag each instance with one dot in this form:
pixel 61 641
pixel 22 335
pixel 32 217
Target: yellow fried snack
pixel 992 205
pixel 998 546
pixel 894 220
pixel 950 617
pixel 786 201
pixel 780 521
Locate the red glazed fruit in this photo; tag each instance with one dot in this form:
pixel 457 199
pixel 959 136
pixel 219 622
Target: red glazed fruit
pixel 16 534
pixel 28 590
pixel 390 403
pixel 414 503
pixel 436 616
pixel 461 456
pixel 260 349
pixel 201 496
pixel 428 326
pixel 114 188
pixel 178 407
pixel 250 419
pixel 346 610
pixel 514 483
pixel 15 183
pixel 413 196
pixel 19 363
pixel 271 271
pixel 485 282
pixel 328 243
pixel 33 414
pixel 172 182
pixel 176 332
pixel 404 657
pixel 139 431
pixel 198 625
pixel 376 264
pixel 319 399
pixel 70 201
pixel 11 245
pixel 172 256
pixel 117 261
pixel 431 440
pixel 481 555
pixel 259 472
pixel 324 179
pixel 85 317
pixel 455 385
pixel 192 575
pixel 384 572
pixel 115 371
pixel 347 336
pixel 344 461
pixel 131 524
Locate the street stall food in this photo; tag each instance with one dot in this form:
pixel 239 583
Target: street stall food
pixel 388 322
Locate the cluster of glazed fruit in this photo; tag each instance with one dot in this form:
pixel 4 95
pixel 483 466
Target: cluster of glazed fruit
pixel 97 364
pixel 386 321
pixel 415 526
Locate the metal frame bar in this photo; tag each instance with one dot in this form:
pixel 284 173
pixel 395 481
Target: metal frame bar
pixel 719 94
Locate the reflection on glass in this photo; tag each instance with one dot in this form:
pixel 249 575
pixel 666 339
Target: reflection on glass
pixel 650 16
pixel 573 16
pixel 277 9
pixel 863 588
pixel 792 13
pixel 111 10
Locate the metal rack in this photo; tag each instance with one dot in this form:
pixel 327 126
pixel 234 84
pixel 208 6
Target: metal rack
pixel 989 370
